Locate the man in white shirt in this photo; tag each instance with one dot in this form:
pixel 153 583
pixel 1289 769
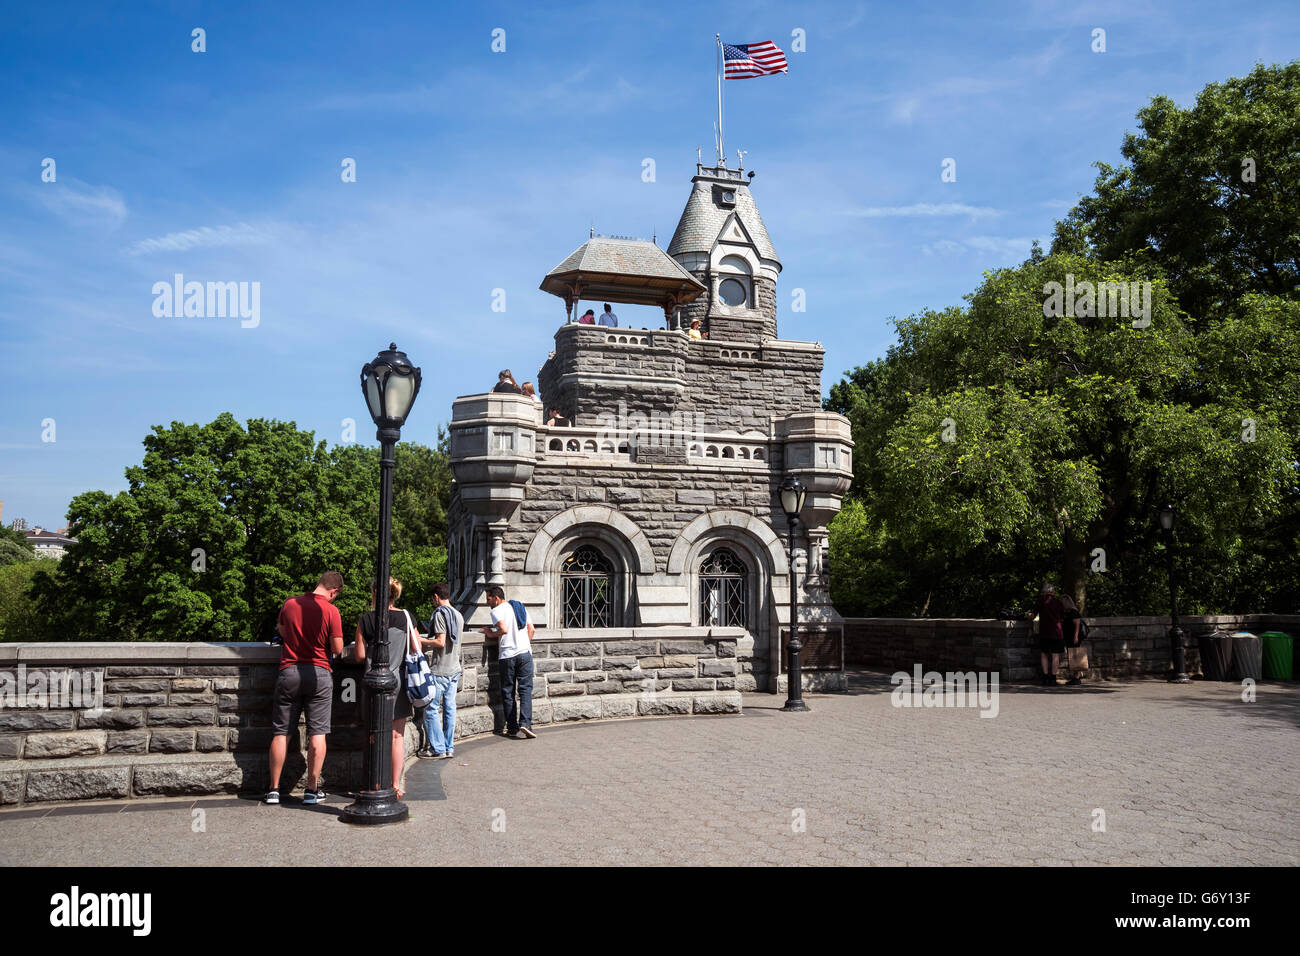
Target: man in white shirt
pixel 514 661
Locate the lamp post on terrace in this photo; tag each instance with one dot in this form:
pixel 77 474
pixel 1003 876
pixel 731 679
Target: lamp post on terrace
pixel 792 497
pixel 390 383
pixel 1168 514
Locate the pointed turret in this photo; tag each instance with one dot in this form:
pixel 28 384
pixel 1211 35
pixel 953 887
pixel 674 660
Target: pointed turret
pixel 721 240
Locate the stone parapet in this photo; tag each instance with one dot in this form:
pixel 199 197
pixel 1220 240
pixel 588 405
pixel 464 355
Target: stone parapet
pixel 1119 647
pixel 195 719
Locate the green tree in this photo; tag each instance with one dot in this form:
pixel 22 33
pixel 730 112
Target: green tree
pixel 14 547
pixel 996 443
pixel 222 522
pixel 20 619
pixel 1210 195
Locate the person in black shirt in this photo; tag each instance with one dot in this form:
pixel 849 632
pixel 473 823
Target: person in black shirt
pixel 1072 631
pixel 506 383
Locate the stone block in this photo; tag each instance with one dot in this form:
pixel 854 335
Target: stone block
pixel 650 663
pixel 144 700
pixel 673 673
pixel 111 720
pixel 11 788
pixel 693 683
pixel 86 783
pixel 621 706
pixel 663 706
pixel 127 742
pixel 547 666
pixel 477 720
pixel 193 685
pixel 717 704
pixel 182 717
pixel 223 670
pixel 187 779
pixel 632 648
pixel 24 720
pixel 695 498
pixel 137 686
pixel 718 668
pixel 584 677
pixel 565 690
pixel 574 649
pixel 698 648
pixel 590 494
pixel 82 743
pixel 171 742
pixel 150 670
pixel 725 648
pixel 619 663
pixel 575 710
pixel 207 697
pixel 586 663
pixel 465 698
pixel 605 687
pixel 726 683
pixel 680 660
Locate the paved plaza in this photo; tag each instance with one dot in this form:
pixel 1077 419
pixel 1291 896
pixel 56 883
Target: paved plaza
pixel 1184 775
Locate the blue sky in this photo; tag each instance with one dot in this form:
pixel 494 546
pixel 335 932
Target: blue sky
pixel 479 171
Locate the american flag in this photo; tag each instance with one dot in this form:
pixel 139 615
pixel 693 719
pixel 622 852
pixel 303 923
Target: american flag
pixel 744 60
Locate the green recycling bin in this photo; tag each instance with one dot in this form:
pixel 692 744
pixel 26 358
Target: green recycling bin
pixel 1277 655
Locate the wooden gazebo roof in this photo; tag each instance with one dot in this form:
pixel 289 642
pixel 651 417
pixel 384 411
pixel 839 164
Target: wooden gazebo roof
pixel 632 271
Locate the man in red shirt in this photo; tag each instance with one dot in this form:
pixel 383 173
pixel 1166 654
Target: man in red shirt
pixel 310 630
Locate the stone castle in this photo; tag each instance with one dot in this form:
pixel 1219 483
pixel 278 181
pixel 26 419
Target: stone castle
pixel 648 532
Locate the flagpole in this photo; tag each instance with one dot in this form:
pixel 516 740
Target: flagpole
pixel 721 155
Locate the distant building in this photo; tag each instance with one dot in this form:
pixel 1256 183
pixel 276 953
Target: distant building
pixel 48 544
pixel 19 524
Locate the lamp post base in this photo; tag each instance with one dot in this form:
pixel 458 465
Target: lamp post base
pixel 375 808
pixel 795 706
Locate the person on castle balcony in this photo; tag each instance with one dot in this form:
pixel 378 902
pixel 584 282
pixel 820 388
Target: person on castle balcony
pixel 527 389
pixel 556 419
pixel 695 332
pixel 587 318
pixel 506 383
pixel 609 318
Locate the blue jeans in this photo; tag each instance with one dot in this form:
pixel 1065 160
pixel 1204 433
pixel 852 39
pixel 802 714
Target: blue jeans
pixel 517 672
pixel 440 715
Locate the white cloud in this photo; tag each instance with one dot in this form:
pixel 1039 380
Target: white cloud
pixel 205 237
pixel 928 209
pixel 1016 249
pixel 83 204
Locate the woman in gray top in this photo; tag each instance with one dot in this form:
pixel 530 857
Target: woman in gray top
pixel 400 631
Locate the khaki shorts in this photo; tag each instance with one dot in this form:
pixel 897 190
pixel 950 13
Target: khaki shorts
pixel 299 687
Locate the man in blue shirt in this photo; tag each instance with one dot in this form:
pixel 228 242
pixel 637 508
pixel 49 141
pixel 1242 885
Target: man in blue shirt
pixel 608 318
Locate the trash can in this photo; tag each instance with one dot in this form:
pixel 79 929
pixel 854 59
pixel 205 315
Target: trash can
pixel 1216 655
pixel 1247 657
pixel 1277 653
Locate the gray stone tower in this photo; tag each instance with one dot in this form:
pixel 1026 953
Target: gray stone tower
pixel 654 516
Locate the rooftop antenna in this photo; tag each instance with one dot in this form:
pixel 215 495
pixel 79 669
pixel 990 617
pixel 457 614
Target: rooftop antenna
pixel 592 233
pixel 698 150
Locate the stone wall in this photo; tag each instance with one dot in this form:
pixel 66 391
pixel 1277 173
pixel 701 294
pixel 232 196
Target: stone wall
pixel 1118 646
pixel 194 719
pixel 734 386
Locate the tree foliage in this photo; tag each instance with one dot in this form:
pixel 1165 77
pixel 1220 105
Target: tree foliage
pixel 222 522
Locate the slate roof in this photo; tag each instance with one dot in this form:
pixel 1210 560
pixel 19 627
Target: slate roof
pixel 702 219
pixel 623 270
pixel 630 257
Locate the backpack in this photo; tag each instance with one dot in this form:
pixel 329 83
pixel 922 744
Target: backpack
pixel 521 614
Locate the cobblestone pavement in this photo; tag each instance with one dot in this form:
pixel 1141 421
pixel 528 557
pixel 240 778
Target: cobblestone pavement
pixel 1184 775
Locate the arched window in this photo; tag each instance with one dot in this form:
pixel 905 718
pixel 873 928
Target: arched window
pixel 724 590
pixel 587 588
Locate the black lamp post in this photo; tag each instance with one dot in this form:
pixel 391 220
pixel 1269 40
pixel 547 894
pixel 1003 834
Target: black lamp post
pixel 1168 514
pixel 792 496
pixel 390 383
